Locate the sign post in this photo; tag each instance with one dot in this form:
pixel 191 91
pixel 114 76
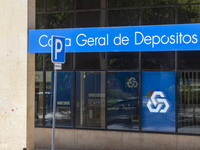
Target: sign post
pixel 57 57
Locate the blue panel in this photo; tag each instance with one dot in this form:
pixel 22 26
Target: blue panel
pixel 119 39
pixel 158 101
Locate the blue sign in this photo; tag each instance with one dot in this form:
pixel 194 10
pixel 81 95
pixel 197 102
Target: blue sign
pixel 120 39
pixel 158 101
pixel 58 49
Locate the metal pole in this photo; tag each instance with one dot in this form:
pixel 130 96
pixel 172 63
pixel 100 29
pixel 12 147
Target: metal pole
pixel 54 106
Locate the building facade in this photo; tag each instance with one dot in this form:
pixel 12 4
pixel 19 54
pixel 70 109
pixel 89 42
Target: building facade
pixel 105 100
pixel 103 95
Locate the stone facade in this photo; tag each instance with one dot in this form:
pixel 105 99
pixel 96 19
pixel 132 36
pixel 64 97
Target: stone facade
pixel 112 140
pixel 17 69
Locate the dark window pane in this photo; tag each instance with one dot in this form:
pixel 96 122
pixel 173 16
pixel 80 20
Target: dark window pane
pixel 61 20
pixel 48 62
pixel 39 5
pixel 64 98
pixel 90 99
pixel 39 21
pixel 189 102
pixel 123 17
pixel 123 3
pixel 158 60
pixel 189 60
pixel 39 61
pixel 157 2
pixel 66 4
pixel 68 61
pixel 39 98
pixel 151 16
pixel 56 5
pixel 123 100
pixel 90 19
pixel 189 14
pixel 188 1
pixel 89 4
pixel 123 60
pixel 90 60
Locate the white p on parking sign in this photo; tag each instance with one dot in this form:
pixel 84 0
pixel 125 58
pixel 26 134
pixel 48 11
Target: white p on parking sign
pixel 58 49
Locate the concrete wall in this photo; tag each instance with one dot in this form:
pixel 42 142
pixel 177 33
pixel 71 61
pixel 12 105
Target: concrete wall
pixel 16 75
pixel 112 140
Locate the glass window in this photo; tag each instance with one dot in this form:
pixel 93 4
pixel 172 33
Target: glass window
pixel 39 98
pixel 152 16
pixel 123 60
pixel 52 5
pixel 158 2
pixel 90 19
pixel 123 3
pixel 158 60
pixel 189 102
pixel 39 21
pixel 39 61
pixel 48 62
pixel 39 5
pixel 189 14
pixel 188 1
pixel 188 60
pixel 158 101
pixel 90 4
pixel 90 99
pixel 68 61
pixel 123 100
pixel 59 20
pixel 123 17
pixel 90 60
pixel 64 98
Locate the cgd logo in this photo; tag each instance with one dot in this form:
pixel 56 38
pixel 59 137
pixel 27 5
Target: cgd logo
pixel 157 102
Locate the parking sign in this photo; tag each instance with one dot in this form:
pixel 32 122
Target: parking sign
pixel 58 49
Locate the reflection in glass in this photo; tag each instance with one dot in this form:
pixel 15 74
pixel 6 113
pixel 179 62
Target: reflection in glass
pixel 188 60
pixel 123 60
pixel 48 62
pixel 39 5
pixel 52 5
pixel 39 61
pixel 158 60
pixel 126 17
pixel 64 98
pixel 188 1
pixel 59 20
pixel 189 14
pixel 90 99
pixel 152 16
pixel 39 98
pixel 39 21
pixel 158 2
pixel 189 102
pixel 123 100
pixel 90 60
pixel 123 3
